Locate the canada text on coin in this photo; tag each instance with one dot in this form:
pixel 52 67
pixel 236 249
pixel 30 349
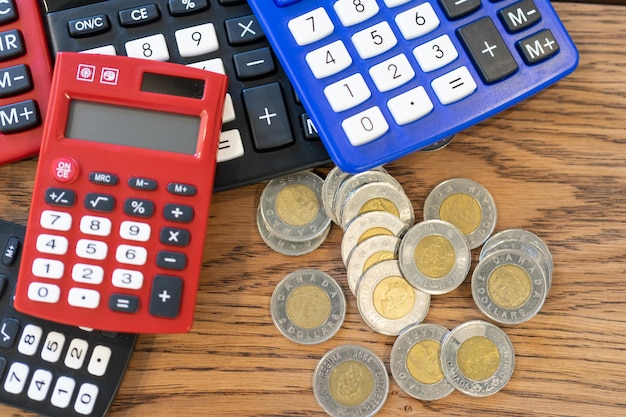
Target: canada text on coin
pixel 477 358
pixel 415 362
pixel 350 381
pixel 286 247
pixel 308 306
pixel 387 302
pixel 509 286
pixel 292 207
pixel 467 205
pixel 434 256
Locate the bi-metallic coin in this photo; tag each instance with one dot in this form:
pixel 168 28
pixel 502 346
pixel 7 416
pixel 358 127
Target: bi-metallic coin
pixel 415 362
pixel 291 207
pixel 467 205
pixel 368 253
pixel 387 302
pixel 373 223
pixel 477 358
pixel 434 256
pixel 350 381
pixel 509 286
pixel 308 306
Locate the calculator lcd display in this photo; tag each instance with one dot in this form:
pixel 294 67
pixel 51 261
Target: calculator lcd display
pixel 117 125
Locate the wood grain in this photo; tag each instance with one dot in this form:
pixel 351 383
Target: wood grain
pixel 555 165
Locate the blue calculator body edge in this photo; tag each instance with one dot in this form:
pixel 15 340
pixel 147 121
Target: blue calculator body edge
pixel 443 120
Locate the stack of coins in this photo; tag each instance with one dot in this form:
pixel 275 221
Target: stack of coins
pixel 290 217
pixel 513 276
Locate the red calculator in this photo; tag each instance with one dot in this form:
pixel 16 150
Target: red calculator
pixel 25 76
pixel 121 198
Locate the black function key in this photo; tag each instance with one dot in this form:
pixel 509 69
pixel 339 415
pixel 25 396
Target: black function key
pixel 173 236
pixel 103 178
pixel 8 13
pixel 19 116
pixel 184 7
pixel 143 184
pixel 243 30
pixel 89 26
pixel 490 55
pixel 9 327
pixel 178 213
pixel 254 64
pixel 124 303
pixel 139 15
pixel 99 202
pixel 538 47
pixel 519 16
pixel 176 261
pixel 165 296
pixel 11 44
pixel 268 116
pixel 178 188
pixel 10 251
pixel 138 207
pixel 456 9
pixel 15 80
pixel 60 197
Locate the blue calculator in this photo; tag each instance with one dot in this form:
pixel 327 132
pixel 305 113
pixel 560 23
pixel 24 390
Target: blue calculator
pixel 383 78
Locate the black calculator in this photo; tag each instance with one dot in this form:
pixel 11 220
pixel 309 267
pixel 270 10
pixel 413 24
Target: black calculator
pixel 49 368
pixel 383 78
pixel 266 131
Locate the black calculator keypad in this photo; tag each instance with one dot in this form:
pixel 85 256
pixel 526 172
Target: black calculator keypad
pixel 266 131
pixel 50 368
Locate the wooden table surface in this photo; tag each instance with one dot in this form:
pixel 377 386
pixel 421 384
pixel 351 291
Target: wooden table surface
pixel 555 165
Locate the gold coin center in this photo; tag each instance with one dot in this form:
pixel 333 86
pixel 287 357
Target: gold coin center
pixel 435 256
pixel 308 307
pixel 394 298
pixel 379 204
pixel 378 257
pixel 423 362
pixel 297 205
pixel 374 231
pixel 351 383
pixel 478 358
pixel 509 286
pixel 463 211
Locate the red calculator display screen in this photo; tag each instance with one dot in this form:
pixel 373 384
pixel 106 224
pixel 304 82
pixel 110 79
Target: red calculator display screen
pixel 122 194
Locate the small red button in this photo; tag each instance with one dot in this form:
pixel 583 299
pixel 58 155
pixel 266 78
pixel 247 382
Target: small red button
pixel 64 169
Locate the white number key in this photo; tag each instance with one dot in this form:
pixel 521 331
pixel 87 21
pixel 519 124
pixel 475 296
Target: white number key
pixel 88 274
pixel 152 47
pixel 347 93
pixel 55 245
pixel 311 27
pixel 418 21
pixel 139 232
pixel 62 392
pixel 97 226
pixel 410 106
pixel 55 220
pixel 91 249
pixel 44 293
pixel 366 126
pixel 48 268
pixel 351 12
pixel 76 353
pixel 329 59
pixel 127 278
pixel 84 298
pixel 374 40
pixel 86 397
pixel 132 255
pixel 39 385
pixel 29 342
pixel 16 378
pixel 435 54
pixel 197 40
pixel 99 360
pixel 392 73
pixel 52 347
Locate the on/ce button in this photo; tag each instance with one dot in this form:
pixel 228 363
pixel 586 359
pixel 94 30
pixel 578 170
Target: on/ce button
pixel 64 169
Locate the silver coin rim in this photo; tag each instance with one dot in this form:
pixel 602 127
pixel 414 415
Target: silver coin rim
pixel 332 182
pixel 411 272
pixel 522 235
pixel 275 224
pixel 293 248
pixel 355 201
pixel 537 278
pixel 381 382
pixel 372 277
pixel 363 251
pixel 278 307
pixel 450 347
pixel 355 181
pixel 408 338
pixel 487 225
pixel 365 222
